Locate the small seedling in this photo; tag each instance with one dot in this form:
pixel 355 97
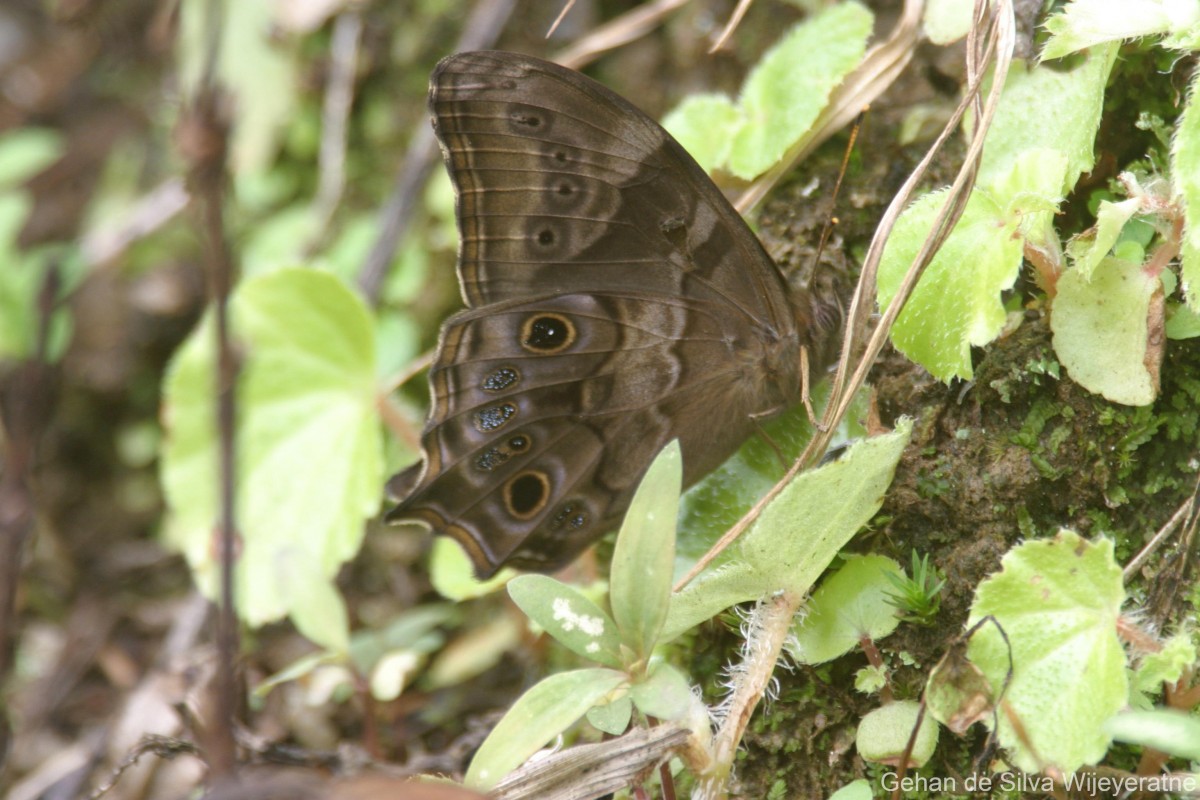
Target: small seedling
pixel 917 597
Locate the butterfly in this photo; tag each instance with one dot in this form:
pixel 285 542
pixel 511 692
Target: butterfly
pixel 614 301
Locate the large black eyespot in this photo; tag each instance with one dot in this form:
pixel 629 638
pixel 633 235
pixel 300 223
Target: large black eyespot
pixel 547 333
pixel 526 494
pixel 494 417
pixel 545 237
pixel 501 379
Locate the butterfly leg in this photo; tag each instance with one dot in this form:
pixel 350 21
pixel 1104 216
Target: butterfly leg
pixel 804 387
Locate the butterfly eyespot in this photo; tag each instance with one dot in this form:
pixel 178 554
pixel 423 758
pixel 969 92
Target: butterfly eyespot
pixel 560 156
pixel 545 237
pixel 547 333
pixel 493 418
pixel 526 494
pixel 518 444
pixel 501 379
pixel 528 120
pixel 573 516
pixel 565 188
pixel 490 459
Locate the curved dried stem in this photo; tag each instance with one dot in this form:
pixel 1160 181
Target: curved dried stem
pixel 992 49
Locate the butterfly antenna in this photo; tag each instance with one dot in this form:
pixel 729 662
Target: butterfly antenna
pixel 837 187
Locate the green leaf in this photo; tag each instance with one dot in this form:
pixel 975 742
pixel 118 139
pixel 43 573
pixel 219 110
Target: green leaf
pixel 855 790
pixel 414 629
pixel 870 679
pixel 788 88
pixel 705 125
pixel 719 500
pixel 957 303
pixel 24 152
pixel 645 552
pixel 883 734
pixel 833 502
pixel 1101 330
pixel 1168 730
pixel 947 21
pixel 1167 666
pixel 1185 173
pixel 309 455
pixel 1182 322
pixel 664 694
pixel 1084 23
pixel 542 713
pixel 1066 104
pixel 1089 248
pixel 568 616
pixel 1058 600
pixel 612 718
pixel 453 576
pixel 852 603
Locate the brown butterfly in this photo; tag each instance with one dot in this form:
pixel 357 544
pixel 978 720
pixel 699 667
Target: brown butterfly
pixel 615 301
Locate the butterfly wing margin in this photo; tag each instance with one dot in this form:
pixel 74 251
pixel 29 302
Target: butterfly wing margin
pixel 562 182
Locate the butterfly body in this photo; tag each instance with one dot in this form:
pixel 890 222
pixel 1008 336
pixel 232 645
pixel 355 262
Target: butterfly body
pixel 615 301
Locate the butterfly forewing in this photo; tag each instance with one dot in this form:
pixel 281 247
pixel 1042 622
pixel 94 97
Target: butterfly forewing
pixel 615 301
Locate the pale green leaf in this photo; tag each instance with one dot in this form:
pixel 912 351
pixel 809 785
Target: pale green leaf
pixel 664 694
pixel 24 152
pixel 1100 330
pixel 1182 322
pixel 788 88
pixel 719 500
pixel 474 651
pixel 309 462
pixel 1058 600
pixel 414 630
pixel 1066 105
pixel 883 734
pixel 1089 248
pixel 855 790
pixel 318 612
pixel 1084 23
pixel 1185 173
pixel 947 21
pixel 705 124
pixel 1169 730
pixel 850 604
pixel 453 576
pixel 542 713
pixel 568 616
pixel 870 679
pixel 612 718
pixel 1167 666
pixel 797 535
pixel 640 580
pixel 957 303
